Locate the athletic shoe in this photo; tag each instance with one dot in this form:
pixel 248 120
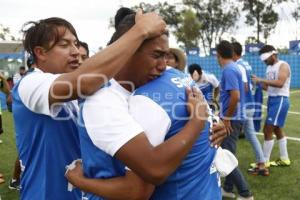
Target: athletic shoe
pixel 267 164
pixel 256 171
pixel 245 198
pixel 228 194
pixel 14 185
pixel 1 141
pixel 283 162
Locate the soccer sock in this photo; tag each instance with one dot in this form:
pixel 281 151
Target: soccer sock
pixel 267 149
pixel 283 148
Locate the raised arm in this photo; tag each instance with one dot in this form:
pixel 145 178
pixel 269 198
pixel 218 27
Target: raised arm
pixel 101 67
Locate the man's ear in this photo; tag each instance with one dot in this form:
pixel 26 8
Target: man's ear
pixel 40 53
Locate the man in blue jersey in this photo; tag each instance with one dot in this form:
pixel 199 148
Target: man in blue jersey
pixel 123 130
pixel 248 127
pixel 232 114
pixel 207 83
pixel 277 84
pixel 45 117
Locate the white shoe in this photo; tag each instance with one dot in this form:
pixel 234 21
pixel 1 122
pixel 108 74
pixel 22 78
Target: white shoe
pixel 245 198
pixel 228 194
pixel 1 141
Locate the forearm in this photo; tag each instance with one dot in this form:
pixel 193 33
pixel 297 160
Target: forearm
pixel 163 159
pixel 98 69
pixel 232 106
pixel 216 93
pixel 175 149
pixel 264 86
pixel 119 188
pixel 272 83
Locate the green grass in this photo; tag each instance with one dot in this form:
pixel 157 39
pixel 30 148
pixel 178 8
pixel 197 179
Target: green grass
pixel 282 184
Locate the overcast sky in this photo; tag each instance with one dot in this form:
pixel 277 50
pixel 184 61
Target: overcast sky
pixel 91 18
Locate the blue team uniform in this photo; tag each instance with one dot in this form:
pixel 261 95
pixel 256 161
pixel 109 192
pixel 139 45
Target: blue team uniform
pixel 196 178
pixel 249 99
pixel 45 147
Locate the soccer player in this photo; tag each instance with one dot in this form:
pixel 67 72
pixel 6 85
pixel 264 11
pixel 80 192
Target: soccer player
pixel 122 130
pixel 232 114
pixel 248 127
pixel 207 83
pixel 44 113
pixel 277 84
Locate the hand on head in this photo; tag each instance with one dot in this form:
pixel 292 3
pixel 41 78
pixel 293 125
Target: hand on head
pixel 151 23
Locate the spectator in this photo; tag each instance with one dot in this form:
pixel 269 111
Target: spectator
pixel 83 52
pixel 17 77
pixel 176 58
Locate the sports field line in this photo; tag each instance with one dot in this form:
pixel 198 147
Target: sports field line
pixel 292 92
pixel 290 112
pixel 289 138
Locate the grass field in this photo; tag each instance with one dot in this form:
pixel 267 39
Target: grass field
pixel 282 184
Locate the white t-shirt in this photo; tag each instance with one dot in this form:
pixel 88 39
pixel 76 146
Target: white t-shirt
pixel 272 73
pixel 34 92
pixel 209 78
pixel 244 74
pixel 109 121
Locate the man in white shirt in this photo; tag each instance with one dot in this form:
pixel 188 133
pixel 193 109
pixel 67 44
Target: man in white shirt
pixel 277 84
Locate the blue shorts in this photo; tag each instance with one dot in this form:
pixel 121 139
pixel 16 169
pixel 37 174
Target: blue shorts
pixel 277 110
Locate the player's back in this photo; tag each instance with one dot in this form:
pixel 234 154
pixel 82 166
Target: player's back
pixel 195 178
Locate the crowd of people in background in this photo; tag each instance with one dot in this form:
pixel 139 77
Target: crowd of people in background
pixel 134 121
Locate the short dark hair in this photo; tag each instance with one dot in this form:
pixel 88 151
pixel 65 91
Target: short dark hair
pixel 85 46
pixel 225 49
pixel 266 48
pixel 42 32
pixel 22 67
pixel 237 48
pixel 194 67
pixel 124 20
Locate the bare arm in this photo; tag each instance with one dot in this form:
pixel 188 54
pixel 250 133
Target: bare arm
pixel 283 74
pixel 101 67
pixel 215 97
pixel 233 101
pixel 125 187
pixel 155 164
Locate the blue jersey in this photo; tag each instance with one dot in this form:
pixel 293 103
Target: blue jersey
pixel 45 147
pixel 207 84
pixel 249 96
pixel 207 90
pixel 232 80
pixel 194 178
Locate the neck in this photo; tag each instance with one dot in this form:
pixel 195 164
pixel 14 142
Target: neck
pixel 225 62
pixel 123 78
